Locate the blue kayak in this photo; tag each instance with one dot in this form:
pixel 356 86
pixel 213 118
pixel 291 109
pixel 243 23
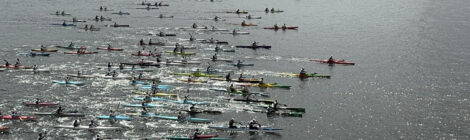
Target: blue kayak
pixel 60 24
pixel 118 117
pixel 159 86
pixel 34 54
pixel 188 102
pixel 78 83
pixel 140 105
pixel 194 120
pixel 153 99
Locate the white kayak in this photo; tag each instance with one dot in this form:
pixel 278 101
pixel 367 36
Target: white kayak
pixel 88 128
pixel 237 33
pixel 173 46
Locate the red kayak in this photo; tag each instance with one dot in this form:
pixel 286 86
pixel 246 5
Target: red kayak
pixel 111 49
pixel 13 67
pixel 20 117
pixel 4 128
pixel 41 104
pixel 146 54
pixel 206 136
pixel 286 28
pixel 74 52
pixel 333 62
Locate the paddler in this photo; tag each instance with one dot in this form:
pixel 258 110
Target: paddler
pixel 254 44
pixel 6 63
pixel 238 11
pixel 76 123
pixel 216 18
pixel 190 79
pixel 331 60
pixel 192 108
pixel 276 27
pixel 141 42
pixel 139 53
pixel 17 63
pixel 97 18
pixel 111 114
pixel 92 124
pixel 232 88
pixel 79 73
pixel 86 27
pixel 59 110
pixel 284 26
pixel 43 48
pixel 35 67
pixel 74 19
pixel 121 66
pixel 67 80
pixel 161 33
pixel 261 82
pixel 244 23
pixel 144 111
pixel 147 99
pixel 272 10
pixel 191 38
pixel 240 78
pixel 231 123
pixel 196 134
pixel 114 75
pixel 302 73
pixel 185 100
pixel 37 101
pixel 234 31
pixel 109 47
pixel 150 42
pixel 248 17
pixel 266 10
pixel 214 57
pixel 57 12
pixel 194 25
pixel 141 75
pixel 63 13
pixel 180 116
pixel 253 123
pixel 101 18
pixel 239 63
pixel 64 24
pixel 101 8
pixel 116 25
pixel 209 69
pixel 227 77
pixel 217 48
pixel 41 136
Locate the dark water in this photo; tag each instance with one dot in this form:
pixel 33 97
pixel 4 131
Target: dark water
pixel 410 80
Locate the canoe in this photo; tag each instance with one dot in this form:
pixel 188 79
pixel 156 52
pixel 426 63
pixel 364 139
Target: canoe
pixel 75 52
pixel 41 104
pixel 88 128
pixel 34 54
pixel 195 74
pixel 111 49
pixel 80 76
pixel 118 117
pixel 122 13
pixel 157 95
pixel 239 12
pixel 19 117
pixel 333 62
pixel 193 120
pixel 146 105
pixel 78 83
pixel 66 114
pixel 255 47
pixel 307 75
pixel 242 65
pixel 179 53
pixel 263 129
pixel 60 24
pixel 281 28
pixel 45 50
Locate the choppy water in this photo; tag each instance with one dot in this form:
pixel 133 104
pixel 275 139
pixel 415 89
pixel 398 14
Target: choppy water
pixel 410 80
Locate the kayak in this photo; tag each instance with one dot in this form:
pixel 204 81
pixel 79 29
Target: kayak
pixel 88 128
pixel 222 50
pixel 153 99
pixel 146 54
pixel 111 49
pixel 61 14
pixel 163 35
pixel 66 114
pixel 179 53
pixel 45 50
pixel 158 94
pixel 142 64
pixel 80 76
pixel 222 59
pixel 118 117
pixel 188 62
pixel 240 92
pixel 249 24
pixel 188 102
pixel 142 115
pixel 253 17
pixel 172 47
pixel 214 42
pixel 306 76
pixel 19 117
pixel 138 69
pixel 196 74
pixel 164 16
pixel 286 114
pixel 275 11
pixel 264 129
pixel 102 19
pixel 4 128
pixel 266 85
pixel 147 8
pixel 67 47
pixel 191 138
pixel 41 104
pixel 193 120
pixel 267 101
pixel 34 54
pixel 197 110
pixel 254 47
pixel 11 66
pixel 171 64
pixel 246 80
pixel 76 21
pixel 75 52
pixel 281 28
pixel 36 70
pixel 239 12
pixel 333 62
pixel 78 83
pixel 285 108
pixel 61 24
pixel 118 25
pixel 237 33
pixel 242 65
pixel 116 77
pixel 122 13
pixel 193 80
pixel 215 30
pixel 146 105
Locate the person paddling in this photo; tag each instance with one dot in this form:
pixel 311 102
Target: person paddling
pixel 37 101
pixel 196 134
pixel 231 123
pixel 331 60
pixel 303 73
pixel 253 123
pixel 181 117
pixel 76 123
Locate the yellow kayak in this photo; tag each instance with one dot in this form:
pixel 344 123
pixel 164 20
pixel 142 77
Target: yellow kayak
pixel 155 95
